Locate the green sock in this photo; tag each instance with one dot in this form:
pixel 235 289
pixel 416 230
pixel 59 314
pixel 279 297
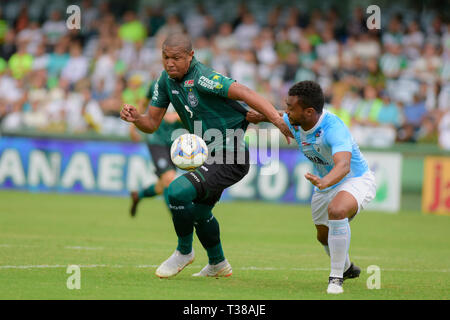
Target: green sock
pixel 215 254
pixel 179 196
pixel 185 244
pixel 208 232
pixel 148 193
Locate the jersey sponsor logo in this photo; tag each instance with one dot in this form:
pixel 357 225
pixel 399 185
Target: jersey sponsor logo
pixel 209 84
pixel 193 101
pixel 175 92
pixel 305 143
pixel 189 83
pixel 317 160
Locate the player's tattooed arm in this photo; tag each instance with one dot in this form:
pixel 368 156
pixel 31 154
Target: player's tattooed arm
pixel 148 122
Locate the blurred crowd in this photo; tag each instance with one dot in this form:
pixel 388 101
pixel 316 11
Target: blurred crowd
pixel 388 85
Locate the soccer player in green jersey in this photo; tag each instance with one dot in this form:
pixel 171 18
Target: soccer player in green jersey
pixel 201 95
pixel 159 144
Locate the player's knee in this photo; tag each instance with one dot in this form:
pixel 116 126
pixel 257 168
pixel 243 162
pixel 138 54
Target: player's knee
pixel 336 212
pixel 175 193
pixel 180 191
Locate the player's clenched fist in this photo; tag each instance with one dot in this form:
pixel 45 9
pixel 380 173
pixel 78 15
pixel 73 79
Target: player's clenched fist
pixel 129 113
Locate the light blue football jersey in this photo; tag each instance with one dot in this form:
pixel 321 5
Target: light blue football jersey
pixel 329 136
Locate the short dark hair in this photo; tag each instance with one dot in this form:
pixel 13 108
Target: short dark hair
pixel 309 95
pixel 178 40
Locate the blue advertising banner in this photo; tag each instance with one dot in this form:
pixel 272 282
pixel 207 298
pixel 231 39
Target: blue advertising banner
pixel 278 178
pixel 52 165
pixel 115 168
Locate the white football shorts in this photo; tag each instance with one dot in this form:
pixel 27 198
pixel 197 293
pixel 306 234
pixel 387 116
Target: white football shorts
pixel 363 188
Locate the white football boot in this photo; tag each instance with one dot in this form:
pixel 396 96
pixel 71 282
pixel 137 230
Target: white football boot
pixel 335 285
pixel 222 269
pixel 174 264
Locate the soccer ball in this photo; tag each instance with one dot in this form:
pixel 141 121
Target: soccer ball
pixel 188 151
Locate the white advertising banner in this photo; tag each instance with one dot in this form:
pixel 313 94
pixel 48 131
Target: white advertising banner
pixel 388 174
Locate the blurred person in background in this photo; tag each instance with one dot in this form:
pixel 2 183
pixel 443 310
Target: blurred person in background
pixel 203 50
pixel 413 40
pixel 132 30
pixel 13 96
pixel 77 65
pixel 8 47
pixel 375 77
pixel 444 131
pixel 41 58
pixel 426 67
pixel 20 62
pixel 38 96
pixel 111 123
pixel 393 62
pixel 54 29
pixel 57 60
pixel 246 31
pixel 225 39
pixel 159 144
pixel 32 35
pixel 414 115
pixel 244 68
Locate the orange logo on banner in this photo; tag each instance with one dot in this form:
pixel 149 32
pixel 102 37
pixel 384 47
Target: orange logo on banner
pixel 436 186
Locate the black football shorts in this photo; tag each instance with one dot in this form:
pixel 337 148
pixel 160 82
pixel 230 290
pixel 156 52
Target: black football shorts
pixel 211 179
pixel 161 158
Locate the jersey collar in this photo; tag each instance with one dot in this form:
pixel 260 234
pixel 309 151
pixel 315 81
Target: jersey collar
pixel 194 62
pixel 322 116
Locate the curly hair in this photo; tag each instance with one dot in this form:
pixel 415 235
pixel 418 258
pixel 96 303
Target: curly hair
pixel 309 95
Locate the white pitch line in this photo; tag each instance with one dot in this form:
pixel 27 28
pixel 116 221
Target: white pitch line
pixel 83 248
pixel 252 268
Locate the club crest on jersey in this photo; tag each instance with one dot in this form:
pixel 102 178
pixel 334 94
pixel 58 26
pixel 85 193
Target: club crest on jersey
pixel 189 83
pixel 193 101
pixel 318 133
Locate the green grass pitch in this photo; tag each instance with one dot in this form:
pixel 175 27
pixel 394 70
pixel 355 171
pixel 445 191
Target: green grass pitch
pixel 271 247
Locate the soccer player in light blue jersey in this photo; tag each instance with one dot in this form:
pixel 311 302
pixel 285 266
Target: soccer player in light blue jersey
pixel 344 184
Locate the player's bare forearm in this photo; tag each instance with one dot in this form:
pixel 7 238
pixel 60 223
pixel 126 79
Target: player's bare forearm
pixel 260 104
pixel 256 117
pixel 340 170
pixel 254 100
pixel 145 123
pixel 338 173
pixel 148 122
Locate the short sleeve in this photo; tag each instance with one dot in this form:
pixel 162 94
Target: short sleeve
pixel 339 138
pixel 286 120
pixel 160 98
pixel 215 83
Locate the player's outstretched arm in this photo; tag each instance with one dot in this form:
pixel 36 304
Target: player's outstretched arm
pixel 240 92
pixel 148 122
pixel 256 117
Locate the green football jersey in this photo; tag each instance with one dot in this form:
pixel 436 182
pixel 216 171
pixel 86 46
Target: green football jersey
pixel 163 135
pixel 201 100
